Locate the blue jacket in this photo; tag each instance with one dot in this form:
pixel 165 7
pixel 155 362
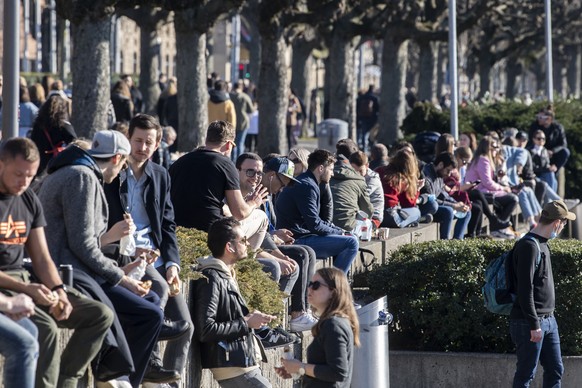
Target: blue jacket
pixel 298 209
pixel 158 206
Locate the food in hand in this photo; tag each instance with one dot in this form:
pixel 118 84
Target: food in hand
pixel 147 284
pixel 174 288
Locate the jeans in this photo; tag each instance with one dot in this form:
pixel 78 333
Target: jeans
pixel 365 125
pixel 560 158
pixel 20 350
pixel 530 207
pixel 305 258
pixel 344 248
pixel 528 353
pixel 252 379
pixel 240 144
pixel 445 216
pixel 550 178
pixel 273 268
pixel 393 219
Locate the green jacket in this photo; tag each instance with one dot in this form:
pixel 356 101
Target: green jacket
pixel 350 194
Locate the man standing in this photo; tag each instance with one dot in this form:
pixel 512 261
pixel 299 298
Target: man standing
pixel 367 110
pixel 220 107
pixel 224 325
pixel 243 106
pixel 532 325
pixel 143 191
pixel 298 208
pixel 76 211
pixel 205 178
pixel 22 226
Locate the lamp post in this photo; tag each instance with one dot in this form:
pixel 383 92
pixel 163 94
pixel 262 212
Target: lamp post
pixel 11 69
pixel 453 68
pixel 549 66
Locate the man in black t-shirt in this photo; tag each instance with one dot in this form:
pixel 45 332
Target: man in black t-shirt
pixel 204 179
pixel 532 325
pixel 22 226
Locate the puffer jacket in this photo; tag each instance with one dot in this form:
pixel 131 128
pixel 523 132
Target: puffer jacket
pixel 219 321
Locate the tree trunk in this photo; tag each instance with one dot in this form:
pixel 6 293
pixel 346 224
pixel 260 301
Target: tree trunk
pixel 440 76
pixel 250 14
pixel 342 88
pixel 327 82
pixel 574 70
pixel 392 102
pixel 301 65
pixel 91 78
pixel 427 70
pixel 513 70
pixel 192 92
pixel 148 75
pixel 273 95
pixel 485 67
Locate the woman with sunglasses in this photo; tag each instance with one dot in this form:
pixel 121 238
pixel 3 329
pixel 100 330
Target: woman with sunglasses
pixel 540 156
pixel 330 355
pixel 482 168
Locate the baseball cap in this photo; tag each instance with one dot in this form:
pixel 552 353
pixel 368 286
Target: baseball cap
pixel 108 143
pixel 557 210
pixel 282 166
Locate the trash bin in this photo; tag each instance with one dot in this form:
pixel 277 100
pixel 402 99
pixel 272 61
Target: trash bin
pixel 371 368
pixel 424 144
pixel 329 131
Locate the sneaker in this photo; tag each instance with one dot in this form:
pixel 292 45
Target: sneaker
pixel 274 338
pixel 504 234
pixel 426 219
pixel 357 306
pixel 497 224
pixel 120 382
pixel 412 225
pixel 303 322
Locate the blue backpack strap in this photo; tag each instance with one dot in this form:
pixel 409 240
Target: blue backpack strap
pixel 539 258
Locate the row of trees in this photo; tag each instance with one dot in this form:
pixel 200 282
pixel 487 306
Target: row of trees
pixel 497 29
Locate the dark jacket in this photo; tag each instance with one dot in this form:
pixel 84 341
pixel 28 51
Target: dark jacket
pixel 555 136
pixel 298 209
pixel 59 136
pixel 219 321
pixel 158 206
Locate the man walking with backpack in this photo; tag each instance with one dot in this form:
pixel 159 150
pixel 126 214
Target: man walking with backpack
pixel 532 325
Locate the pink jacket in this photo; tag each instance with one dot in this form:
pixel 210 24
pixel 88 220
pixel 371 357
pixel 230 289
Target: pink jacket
pixel 483 171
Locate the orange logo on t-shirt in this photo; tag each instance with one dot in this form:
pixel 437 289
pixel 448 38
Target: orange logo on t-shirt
pixel 11 227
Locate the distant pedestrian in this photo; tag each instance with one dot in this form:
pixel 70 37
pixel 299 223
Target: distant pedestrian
pixel 367 110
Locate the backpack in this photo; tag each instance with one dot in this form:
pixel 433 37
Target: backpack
pixel 497 288
pixel 365 107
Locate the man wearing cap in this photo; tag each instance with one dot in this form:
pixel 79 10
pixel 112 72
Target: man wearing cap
pixel 204 179
pixel 532 324
pixel 76 213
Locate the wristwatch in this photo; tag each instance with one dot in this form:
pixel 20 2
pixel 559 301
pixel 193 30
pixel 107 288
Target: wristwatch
pixel 60 286
pixel 302 369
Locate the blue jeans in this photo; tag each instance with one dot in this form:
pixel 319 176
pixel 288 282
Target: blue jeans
pixel 240 144
pixel 252 379
pixel 547 352
pixel 445 216
pixel 530 207
pixel 344 248
pixel 550 178
pixel 20 349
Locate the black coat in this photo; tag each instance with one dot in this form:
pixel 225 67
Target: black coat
pixel 158 206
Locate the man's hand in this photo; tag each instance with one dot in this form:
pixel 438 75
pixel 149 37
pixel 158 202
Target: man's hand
pixel 553 168
pixel 122 228
pixel 257 319
pixel 19 306
pixel 173 280
pixel 133 286
pixel 258 196
pixel 285 235
pixel 536 335
pixel 63 308
pixel 131 266
pixel 287 265
pixel 40 294
pixel 461 207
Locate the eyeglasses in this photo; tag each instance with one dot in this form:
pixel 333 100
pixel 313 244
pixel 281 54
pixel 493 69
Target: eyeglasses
pixel 541 138
pixel 295 161
pixel 495 147
pixel 316 284
pixel 251 173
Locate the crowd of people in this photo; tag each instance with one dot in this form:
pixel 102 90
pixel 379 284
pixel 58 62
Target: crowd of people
pixel 109 208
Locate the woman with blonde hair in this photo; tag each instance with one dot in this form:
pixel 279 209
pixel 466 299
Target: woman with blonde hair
pixel 482 168
pixel 330 357
pixel 401 190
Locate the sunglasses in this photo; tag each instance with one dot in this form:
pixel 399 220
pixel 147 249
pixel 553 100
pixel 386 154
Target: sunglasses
pixel 495 147
pixel 316 284
pixel 295 161
pixel 540 138
pixel 251 173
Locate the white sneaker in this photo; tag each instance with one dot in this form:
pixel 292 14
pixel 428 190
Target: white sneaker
pixel 155 385
pixel 303 322
pixel 120 382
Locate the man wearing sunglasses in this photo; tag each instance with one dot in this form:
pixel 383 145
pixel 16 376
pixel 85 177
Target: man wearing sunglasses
pixel 298 208
pixel 204 179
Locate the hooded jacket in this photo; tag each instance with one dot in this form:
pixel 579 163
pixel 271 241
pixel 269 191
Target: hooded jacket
pixel 219 321
pixel 350 194
pixel 220 107
pixel 76 214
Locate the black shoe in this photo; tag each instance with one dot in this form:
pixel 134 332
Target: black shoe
pixel 412 225
pixel 157 374
pixel 426 219
pixel 274 338
pixel 173 329
pixel 497 224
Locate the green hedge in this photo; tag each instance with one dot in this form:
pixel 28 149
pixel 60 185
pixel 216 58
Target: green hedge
pixel 482 118
pixel 259 290
pixel 434 292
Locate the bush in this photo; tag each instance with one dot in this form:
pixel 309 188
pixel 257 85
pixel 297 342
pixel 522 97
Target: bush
pixel 434 293
pixel 482 118
pixel 259 290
